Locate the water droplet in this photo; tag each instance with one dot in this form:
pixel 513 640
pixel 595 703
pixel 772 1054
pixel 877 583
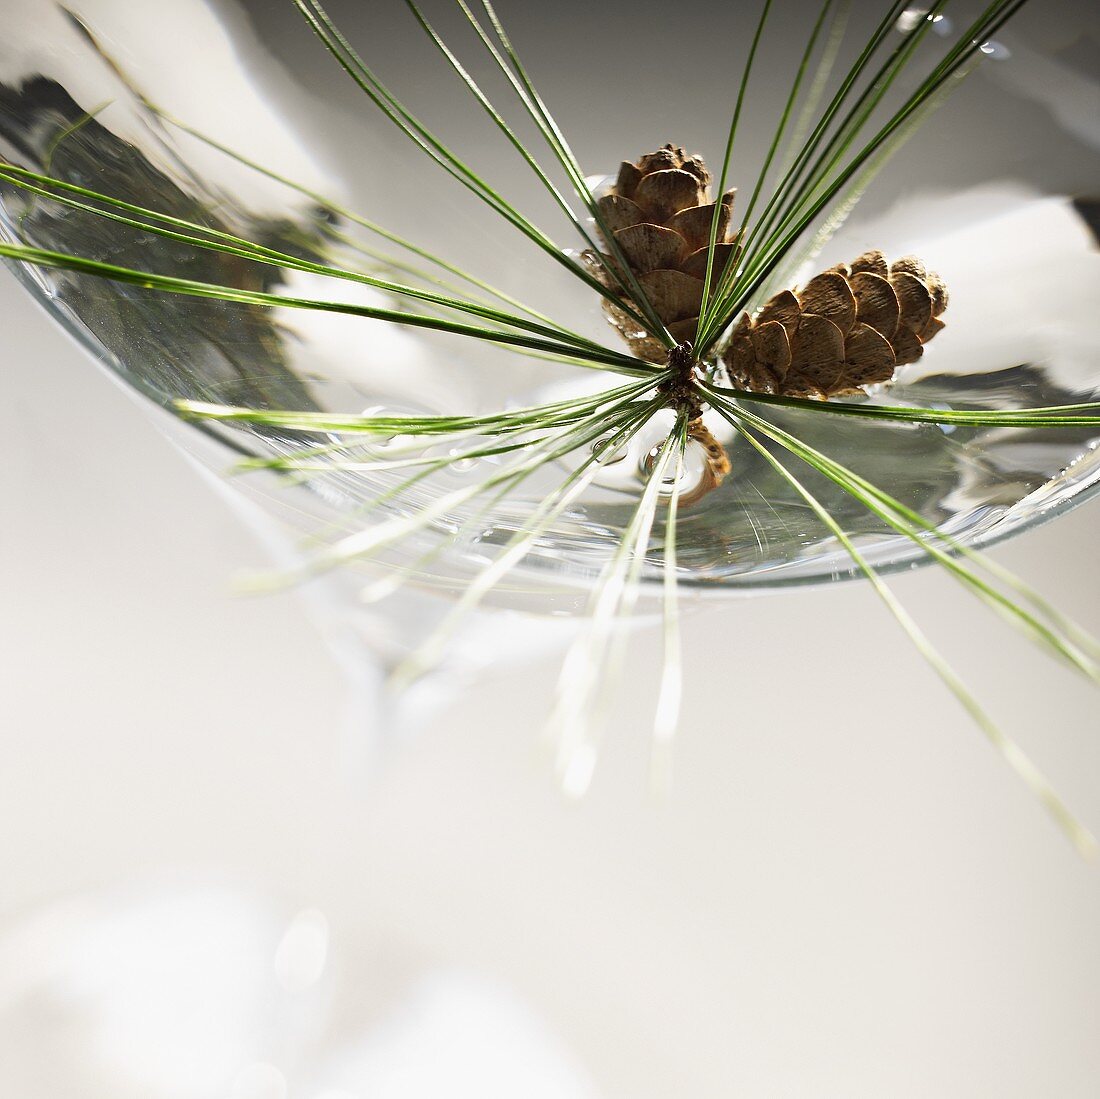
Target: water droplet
pixel 649 462
pixel 458 463
pixel 392 442
pixel 996 50
pixel 693 469
pixel 607 452
pixel 489 536
pixel 669 481
pixel 911 18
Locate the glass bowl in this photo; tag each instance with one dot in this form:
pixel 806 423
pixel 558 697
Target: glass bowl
pixel 993 191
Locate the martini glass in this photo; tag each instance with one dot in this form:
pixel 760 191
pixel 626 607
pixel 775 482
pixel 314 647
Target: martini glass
pixel 997 218
pixel 104 96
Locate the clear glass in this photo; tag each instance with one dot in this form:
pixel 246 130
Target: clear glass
pixel 1018 256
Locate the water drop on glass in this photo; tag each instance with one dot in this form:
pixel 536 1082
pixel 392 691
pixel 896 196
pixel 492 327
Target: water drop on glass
pixel 670 480
pixel 392 442
pixel 607 453
pixel 462 465
pixel 911 18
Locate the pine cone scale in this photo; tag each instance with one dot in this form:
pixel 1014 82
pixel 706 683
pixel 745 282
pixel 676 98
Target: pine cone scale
pixel 649 247
pixel 663 194
pixel 696 263
pixel 876 303
pixel 907 346
pixel 694 222
pixel 674 295
pixel 783 308
pixel 914 299
pixel 867 354
pixel 829 295
pixel 629 177
pixel 619 212
pixel 772 345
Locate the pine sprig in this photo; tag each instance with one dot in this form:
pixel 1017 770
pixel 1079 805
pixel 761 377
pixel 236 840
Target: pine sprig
pixel 830 156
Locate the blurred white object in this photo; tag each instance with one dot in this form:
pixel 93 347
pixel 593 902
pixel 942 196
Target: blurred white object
pixel 171 991
pixel 157 991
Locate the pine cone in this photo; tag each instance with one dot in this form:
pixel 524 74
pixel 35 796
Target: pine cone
pixel 850 327
pixel 660 213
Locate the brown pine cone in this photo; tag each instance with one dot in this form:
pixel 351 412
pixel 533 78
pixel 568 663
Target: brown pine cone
pixel 660 212
pixel 850 327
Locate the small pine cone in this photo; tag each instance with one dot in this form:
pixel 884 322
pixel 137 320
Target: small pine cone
pixel 850 327
pixel 660 213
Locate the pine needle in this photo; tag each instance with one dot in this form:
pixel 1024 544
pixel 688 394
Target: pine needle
pixel 1009 750
pixel 666 716
pixel 1065 646
pixel 589 671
